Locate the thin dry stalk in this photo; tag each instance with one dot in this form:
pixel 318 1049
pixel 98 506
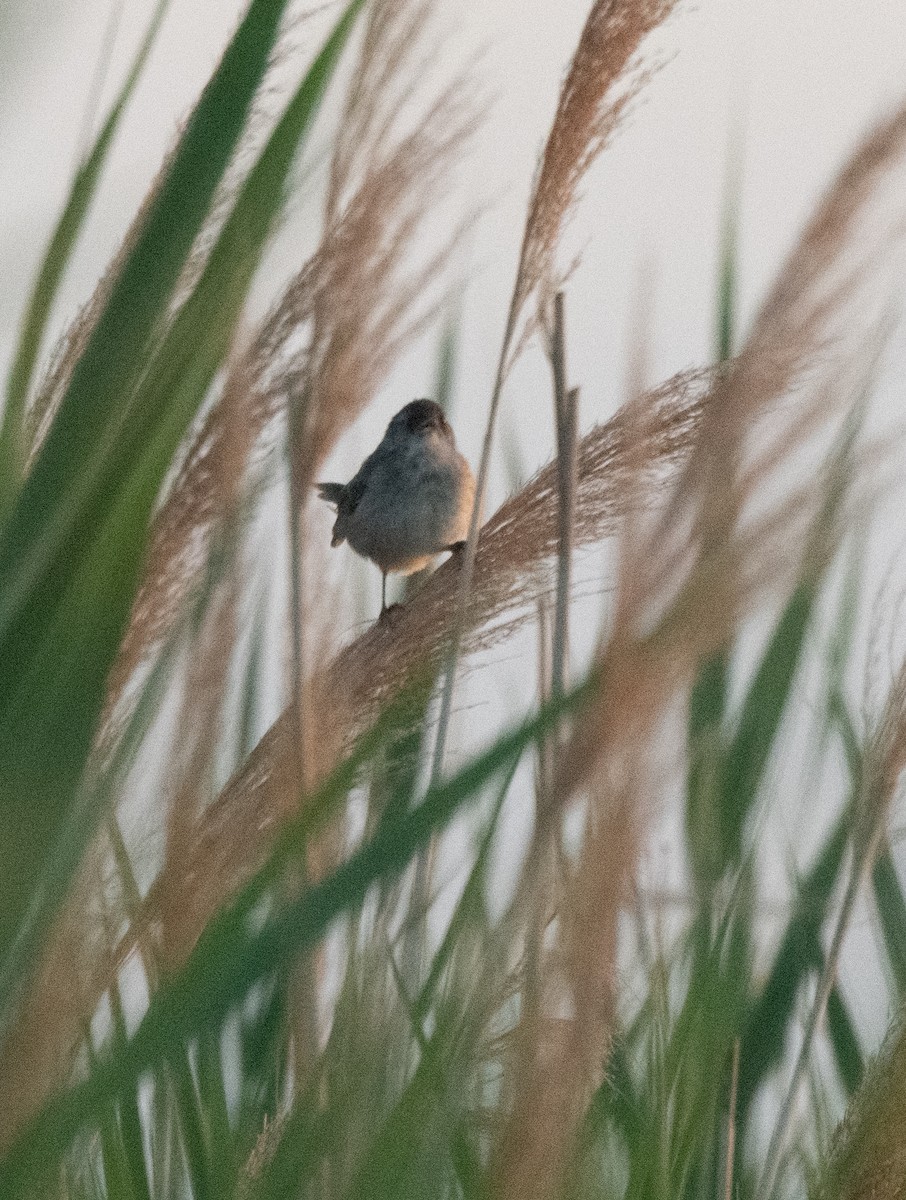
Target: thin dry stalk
pixel 588 113
pixel 566 402
pixel 729 1130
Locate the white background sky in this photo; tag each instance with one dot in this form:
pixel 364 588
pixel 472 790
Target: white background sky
pixel 801 78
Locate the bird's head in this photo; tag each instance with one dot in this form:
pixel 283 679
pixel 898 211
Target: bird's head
pixel 421 417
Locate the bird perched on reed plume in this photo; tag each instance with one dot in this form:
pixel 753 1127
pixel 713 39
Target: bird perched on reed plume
pixel 410 500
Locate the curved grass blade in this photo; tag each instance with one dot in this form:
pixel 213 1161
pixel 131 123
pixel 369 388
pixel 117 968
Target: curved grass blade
pixel 844 1043
pixel 891 907
pixel 708 700
pixel 47 513
pixel 53 266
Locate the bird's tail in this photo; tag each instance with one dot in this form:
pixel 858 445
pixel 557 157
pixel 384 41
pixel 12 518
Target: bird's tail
pixel 331 492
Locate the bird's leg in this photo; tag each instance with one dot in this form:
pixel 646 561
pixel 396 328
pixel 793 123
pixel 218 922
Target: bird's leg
pixel 456 547
pixel 388 611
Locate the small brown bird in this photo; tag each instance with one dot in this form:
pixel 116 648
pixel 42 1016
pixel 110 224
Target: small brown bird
pixel 409 500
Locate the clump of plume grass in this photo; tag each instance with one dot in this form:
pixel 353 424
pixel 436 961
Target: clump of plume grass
pixel 513 564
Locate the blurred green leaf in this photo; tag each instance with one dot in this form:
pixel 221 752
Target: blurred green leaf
pixel 762 712
pixel 844 1043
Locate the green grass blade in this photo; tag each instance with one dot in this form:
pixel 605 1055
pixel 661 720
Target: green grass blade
pixel 708 701
pixel 42 541
pixel 891 907
pixel 844 1043
pixel 447 354
pixel 707 706
pixel 130 1127
pixel 55 262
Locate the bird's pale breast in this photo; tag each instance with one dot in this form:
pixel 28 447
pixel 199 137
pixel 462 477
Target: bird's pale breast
pixel 415 506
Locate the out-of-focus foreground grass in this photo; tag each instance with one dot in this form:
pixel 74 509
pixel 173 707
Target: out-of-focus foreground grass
pixel 290 986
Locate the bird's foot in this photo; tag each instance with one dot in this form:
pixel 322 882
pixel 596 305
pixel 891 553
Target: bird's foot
pixel 389 615
pixel 458 548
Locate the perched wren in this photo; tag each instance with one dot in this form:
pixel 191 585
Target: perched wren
pixel 410 500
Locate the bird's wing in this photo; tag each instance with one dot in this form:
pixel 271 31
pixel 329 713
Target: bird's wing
pixel 346 497
pixel 357 486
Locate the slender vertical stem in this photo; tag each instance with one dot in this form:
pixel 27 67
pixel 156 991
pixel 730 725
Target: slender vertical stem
pixel 565 411
pixel 468 559
pixel 730 1126
pixel 305 1023
pixel 297 410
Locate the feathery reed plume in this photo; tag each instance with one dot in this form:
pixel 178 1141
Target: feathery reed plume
pixel 603 78
pixel 868 1156
pixel 822 307
pixel 588 113
pixel 373 297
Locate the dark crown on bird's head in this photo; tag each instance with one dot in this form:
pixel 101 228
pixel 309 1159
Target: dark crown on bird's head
pixel 420 416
